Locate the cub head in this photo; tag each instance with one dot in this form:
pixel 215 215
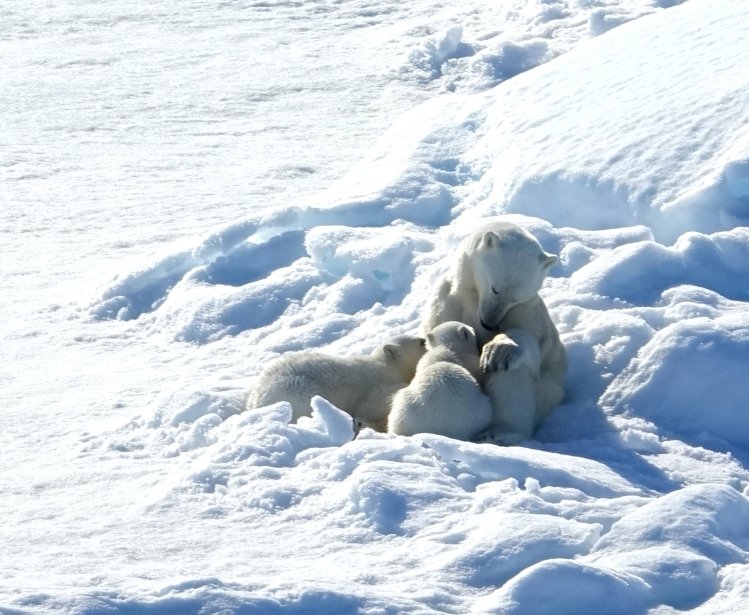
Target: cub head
pixel 403 353
pixel 455 336
pixel 509 267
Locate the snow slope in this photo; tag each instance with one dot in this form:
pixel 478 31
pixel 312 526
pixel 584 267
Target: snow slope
pixel 136 483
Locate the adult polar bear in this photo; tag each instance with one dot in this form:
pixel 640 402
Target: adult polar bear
pixel 493 287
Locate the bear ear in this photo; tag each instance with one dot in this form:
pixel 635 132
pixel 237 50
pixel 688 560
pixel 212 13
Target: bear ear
pixel 464 332
pixel 430 340
pixel 548 260
pixel 490 239
pixel 391 351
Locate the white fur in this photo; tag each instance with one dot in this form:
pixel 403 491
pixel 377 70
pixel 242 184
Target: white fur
pixel 362 386
pixel 444 397
pixel 512 388
pixel 493 287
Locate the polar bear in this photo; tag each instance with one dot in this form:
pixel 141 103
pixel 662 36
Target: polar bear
pixel 361 386
pixel 512 388
pixel 444 397
pixel 493 287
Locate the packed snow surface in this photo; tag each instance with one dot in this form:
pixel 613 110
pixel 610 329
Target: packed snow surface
pixel 192 189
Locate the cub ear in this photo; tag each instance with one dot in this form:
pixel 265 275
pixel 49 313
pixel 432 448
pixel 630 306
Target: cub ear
pixel 464 332
pixel 548 260
pixel 391 351
pixel 490 239
pixel 430 340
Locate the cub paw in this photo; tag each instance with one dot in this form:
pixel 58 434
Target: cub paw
pixel 500 355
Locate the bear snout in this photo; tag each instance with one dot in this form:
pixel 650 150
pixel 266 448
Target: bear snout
pixel 491 314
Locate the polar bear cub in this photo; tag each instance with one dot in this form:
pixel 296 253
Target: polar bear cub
pixel 512 388
pixel 493 287
pixel 361 386
pixel 444 397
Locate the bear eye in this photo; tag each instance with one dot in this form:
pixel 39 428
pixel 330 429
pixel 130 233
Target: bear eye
pixel 494 290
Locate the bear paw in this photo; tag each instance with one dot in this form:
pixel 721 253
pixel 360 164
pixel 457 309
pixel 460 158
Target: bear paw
pixel 500 355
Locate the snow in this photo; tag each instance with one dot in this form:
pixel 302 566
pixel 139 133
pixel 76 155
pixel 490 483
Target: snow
pixel 191 190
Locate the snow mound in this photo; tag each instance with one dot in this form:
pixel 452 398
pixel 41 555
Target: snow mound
pixel 430 56
pixel 544 589
pixel 713 262
pixel 612 160
pixel 690 378
pixel 667 552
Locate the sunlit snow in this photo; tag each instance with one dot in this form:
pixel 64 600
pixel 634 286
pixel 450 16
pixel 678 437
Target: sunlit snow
pixel 192 189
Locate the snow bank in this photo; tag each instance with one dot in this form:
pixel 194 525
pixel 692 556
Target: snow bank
pixel 699 386
pixel 667 552
pixel 619 145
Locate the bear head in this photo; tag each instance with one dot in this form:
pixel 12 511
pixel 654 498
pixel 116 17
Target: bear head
pixel 402 353
pixel 509 267
pixel 455 336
